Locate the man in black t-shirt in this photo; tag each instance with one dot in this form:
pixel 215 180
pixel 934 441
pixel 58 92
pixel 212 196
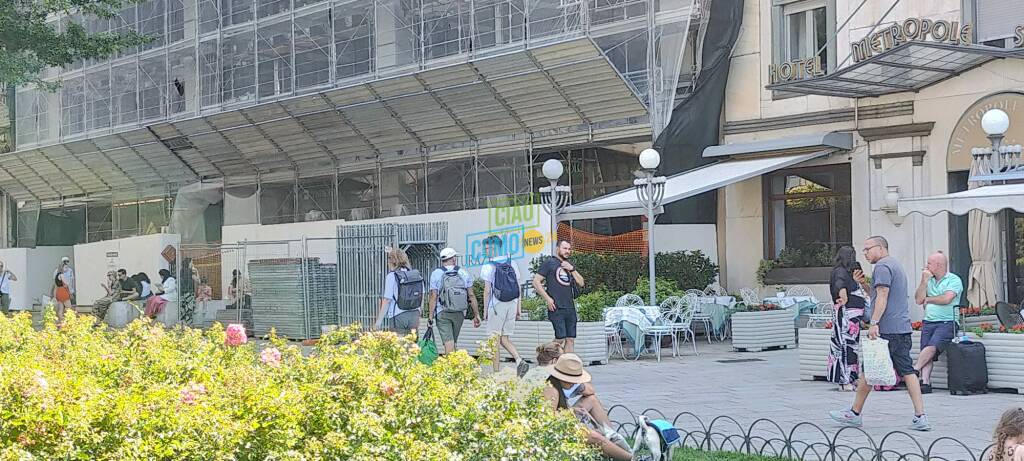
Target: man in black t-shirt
pixel 558 282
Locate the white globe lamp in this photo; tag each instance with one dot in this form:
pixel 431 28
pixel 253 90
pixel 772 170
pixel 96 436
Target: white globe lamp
pixel 995 122
pixel 552 169
pixel 649 159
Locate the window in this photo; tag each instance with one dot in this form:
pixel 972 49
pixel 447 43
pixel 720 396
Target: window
pixel 807 214
pixel 802 31
pixel 995 21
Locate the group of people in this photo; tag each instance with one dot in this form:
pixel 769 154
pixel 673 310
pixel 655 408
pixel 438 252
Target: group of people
pixel 883 306
pixel 137 288
pixel 451 297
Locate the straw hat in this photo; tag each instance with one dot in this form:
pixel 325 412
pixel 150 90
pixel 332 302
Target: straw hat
pixel 569 369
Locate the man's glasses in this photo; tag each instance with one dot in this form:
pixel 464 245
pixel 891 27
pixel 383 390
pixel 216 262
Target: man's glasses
pixel 870 247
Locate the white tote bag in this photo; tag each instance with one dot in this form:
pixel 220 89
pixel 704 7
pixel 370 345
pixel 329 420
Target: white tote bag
pixel 876 363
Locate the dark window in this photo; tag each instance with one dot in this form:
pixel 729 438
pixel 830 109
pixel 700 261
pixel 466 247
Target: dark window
pixel 807 214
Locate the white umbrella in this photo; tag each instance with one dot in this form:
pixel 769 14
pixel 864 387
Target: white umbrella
pixel 983 233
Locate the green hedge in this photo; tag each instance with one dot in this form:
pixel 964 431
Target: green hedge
pixel 620 271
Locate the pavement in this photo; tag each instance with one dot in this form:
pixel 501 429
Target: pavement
pixel 769 386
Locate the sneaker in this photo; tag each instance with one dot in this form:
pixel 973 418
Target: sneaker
pixel 522 368
pixel 846 417
pixel 644 458
pixel 926 388
pixel 920 423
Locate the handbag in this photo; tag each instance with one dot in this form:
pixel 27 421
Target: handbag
pixel 428 348
pixel 876 364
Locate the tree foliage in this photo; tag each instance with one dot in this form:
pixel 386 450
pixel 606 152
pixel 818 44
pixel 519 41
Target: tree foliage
pixel 29 44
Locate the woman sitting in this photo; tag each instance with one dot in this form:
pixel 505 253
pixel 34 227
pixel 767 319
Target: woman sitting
pixel 166 292
pixel 568 381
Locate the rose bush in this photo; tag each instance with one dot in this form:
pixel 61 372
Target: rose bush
pixel 76 392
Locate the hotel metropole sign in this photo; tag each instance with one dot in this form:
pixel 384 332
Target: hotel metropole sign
pixel 909 30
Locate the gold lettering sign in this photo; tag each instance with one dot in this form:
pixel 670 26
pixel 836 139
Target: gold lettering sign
pixel 1018 37
pixel 795 70
pixel 909 30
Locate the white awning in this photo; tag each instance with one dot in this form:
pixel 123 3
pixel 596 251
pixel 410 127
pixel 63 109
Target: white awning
pixel 687 184
pixel 990 199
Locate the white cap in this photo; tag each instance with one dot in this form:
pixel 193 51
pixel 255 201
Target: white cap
pixel 448 253
pixel 65 259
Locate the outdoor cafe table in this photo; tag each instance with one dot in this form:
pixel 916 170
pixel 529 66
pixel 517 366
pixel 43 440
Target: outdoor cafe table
pixel 644 316
pixel 796 304
pixel 718 308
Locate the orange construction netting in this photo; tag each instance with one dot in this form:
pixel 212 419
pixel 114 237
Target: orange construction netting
pixel 629 242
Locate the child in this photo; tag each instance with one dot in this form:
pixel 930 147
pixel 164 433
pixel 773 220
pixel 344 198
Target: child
pixel 1009 436
pixel 204 292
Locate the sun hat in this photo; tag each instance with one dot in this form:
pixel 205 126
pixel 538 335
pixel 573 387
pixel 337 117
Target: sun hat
pixel 569 368
pixel 448 253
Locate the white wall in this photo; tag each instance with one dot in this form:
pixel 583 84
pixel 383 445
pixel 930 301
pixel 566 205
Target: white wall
pixel 688 237
pixel 464 228
pixel 134 254
pixel 34 268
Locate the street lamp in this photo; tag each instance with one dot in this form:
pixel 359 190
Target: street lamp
pixel 649 192
pixel 1000 161
pixel 554 198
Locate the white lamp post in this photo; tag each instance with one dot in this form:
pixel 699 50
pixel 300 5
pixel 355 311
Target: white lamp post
pixel 554 198
pixel 1000 161
pixel 650 190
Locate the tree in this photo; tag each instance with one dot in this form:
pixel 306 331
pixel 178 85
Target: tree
pixel 29 44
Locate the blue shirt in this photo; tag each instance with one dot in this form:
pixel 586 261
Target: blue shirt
pixel 390 293
pixel 437 282
pixel 943 312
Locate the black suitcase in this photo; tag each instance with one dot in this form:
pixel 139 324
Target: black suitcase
pixel 968 371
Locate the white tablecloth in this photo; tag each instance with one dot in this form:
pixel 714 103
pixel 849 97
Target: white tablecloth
pixel 788 301
pixel 727 301
pixel 644 316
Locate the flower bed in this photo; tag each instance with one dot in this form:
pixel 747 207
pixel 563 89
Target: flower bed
pixel 758 330
pixel 149 393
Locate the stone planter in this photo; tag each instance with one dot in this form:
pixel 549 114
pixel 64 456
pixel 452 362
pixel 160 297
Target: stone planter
pixel 757 331
pixel 591 344
pixel 971 322
pixel 1004 354
pixel 814 348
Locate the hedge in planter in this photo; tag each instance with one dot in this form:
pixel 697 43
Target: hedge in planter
pixel 148 393
pixel 620 271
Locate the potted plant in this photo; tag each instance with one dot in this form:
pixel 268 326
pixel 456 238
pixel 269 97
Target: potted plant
pixel 762 326
pixel 973 316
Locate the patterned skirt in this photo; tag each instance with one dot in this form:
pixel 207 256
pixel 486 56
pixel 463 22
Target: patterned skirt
pixel 844 353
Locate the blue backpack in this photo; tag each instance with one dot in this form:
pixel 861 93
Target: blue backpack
pixel 506 284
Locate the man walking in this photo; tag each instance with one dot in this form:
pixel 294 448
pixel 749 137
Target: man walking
pixel 890 319
pixel 939 291
pixel 502 296
pixel 563 283
pixel 451 295
pixel 6 277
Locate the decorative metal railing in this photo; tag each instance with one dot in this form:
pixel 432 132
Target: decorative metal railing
pixel 803 441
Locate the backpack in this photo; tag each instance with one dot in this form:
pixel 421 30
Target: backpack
pixel 454 294
pixel 506 284
pixel 410 289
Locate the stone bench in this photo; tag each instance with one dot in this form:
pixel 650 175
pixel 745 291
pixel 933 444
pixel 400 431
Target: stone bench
pixel 121 313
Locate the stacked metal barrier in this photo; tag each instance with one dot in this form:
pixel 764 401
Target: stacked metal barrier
pixel 295 296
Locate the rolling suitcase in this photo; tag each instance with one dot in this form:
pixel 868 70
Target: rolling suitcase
pixel 968 371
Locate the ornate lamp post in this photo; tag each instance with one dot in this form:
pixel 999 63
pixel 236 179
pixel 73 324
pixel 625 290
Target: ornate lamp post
pixel 999 162
pixel 650 190
pixel 554 198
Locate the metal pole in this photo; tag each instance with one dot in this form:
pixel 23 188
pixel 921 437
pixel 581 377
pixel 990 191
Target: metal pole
pixel 553 211
pixel 650 234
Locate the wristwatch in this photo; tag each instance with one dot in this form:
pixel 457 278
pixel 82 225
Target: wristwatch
pixel 874 323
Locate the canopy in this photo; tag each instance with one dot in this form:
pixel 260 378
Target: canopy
pixel 990 199
pixel 687 184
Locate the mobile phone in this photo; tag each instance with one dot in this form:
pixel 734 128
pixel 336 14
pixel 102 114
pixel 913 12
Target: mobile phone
pixel 856 267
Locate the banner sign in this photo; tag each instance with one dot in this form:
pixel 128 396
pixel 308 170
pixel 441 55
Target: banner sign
pixel 910 30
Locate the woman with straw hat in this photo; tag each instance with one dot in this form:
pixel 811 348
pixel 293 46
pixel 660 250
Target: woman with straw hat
pixel 566 392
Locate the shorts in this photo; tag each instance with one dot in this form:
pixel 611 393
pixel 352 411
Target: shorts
pixel 899 351
pixel 449 324
pixel 501 318
pixel 5 303
pixel 564 322
pixel 937 335
pixel 404 322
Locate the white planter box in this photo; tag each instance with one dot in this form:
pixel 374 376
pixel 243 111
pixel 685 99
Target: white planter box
pixel 591 344
pixel 971 322
pixel 1004 355
pixel 757 331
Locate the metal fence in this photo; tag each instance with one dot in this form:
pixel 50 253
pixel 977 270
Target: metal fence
pixel 803 441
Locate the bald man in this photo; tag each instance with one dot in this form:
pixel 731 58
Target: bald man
pixel 939 292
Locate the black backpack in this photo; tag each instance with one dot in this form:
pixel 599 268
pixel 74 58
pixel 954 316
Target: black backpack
pixel 410 289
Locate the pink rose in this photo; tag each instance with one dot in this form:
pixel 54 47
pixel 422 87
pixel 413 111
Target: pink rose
pixel 235 335
pixel 271 356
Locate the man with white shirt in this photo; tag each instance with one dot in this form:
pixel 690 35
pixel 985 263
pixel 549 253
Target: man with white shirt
pixel 502 296
pixel 6 277
pixel 451 296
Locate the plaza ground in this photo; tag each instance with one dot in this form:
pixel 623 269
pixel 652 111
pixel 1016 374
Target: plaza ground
pixel 770 388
